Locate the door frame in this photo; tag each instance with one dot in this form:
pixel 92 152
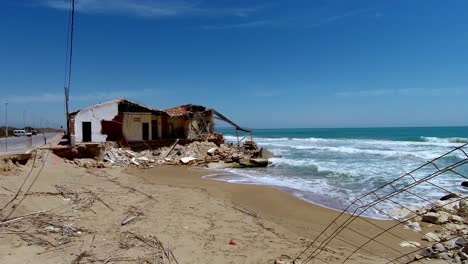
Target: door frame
pixel 85 125
pixel 145 132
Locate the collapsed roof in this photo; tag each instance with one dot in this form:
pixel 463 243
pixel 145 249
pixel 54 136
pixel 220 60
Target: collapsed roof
pixel 187 110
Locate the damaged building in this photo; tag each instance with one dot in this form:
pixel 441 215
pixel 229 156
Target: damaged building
pixel 130 123
pixel 180 135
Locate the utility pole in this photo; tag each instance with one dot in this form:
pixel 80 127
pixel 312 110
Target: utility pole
pixel 6 126
pixel 69 59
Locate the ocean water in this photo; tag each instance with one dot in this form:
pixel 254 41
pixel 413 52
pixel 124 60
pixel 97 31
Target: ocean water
pixel 333 167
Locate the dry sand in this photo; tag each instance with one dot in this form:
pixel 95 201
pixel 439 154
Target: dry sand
pixel 194 217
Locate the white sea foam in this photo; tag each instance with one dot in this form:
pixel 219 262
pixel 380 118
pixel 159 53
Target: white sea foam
pixel 445 140
pixel 332 172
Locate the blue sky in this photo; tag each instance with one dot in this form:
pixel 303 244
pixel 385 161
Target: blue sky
pixel 324 63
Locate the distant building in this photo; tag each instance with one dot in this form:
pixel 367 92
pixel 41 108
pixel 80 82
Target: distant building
pixel 127 122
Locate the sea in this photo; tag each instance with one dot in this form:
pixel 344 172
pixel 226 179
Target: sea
pixel 332 167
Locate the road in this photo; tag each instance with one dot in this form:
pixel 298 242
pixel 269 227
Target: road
pixel 22 144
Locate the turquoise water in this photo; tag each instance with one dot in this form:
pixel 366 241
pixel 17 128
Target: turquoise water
pixel 333 167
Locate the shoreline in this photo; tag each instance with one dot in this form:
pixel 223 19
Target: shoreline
pixel 290 191
pixel 197 217
pixel 304 219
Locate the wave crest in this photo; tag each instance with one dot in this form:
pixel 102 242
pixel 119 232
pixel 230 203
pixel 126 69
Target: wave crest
pixel 445 140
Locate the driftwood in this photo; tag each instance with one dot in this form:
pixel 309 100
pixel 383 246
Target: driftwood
pixel 172 147
pixel 128 220
pixel 154 242
pixel 7 221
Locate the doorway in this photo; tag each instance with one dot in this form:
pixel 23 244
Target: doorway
pixel 145 131
pixel 154 129
pixel 86 129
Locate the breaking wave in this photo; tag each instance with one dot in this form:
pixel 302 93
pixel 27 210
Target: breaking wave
pixel 445 140
pixel 332 171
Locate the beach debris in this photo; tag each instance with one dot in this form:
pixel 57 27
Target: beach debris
pixel 449 196
pixel 448 218
pixel 415 226
pixel 187 160
pixel 197 153
pixel 409 244
pixel 431 237
pixel 232 242
pixel 211 151
pixel 52 229
pixel 128 220
pixel 436 218
pixel 287 260
pixel 260 162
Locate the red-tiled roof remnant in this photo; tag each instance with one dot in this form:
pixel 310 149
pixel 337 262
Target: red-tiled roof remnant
pixel 185 110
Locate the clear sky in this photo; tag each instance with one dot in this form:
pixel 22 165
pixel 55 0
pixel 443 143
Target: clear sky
pixel 324 63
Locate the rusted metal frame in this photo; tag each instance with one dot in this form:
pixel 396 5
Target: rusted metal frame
pixel 459 174
pixel 415 251
pixel 363 235
pixel 225 119
pixel 242 139
pixel 378 235
pixel 386 230
pixel 464 152
pixel 435 185
pixel 407 174
pixel 353 216
pixel 408 209
pixel 391 233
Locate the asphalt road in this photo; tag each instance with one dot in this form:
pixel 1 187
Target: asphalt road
pixel 21 144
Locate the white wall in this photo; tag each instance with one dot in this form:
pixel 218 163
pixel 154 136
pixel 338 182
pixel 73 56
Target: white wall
pixel 158 120
pixel 94 115
pixel 133 129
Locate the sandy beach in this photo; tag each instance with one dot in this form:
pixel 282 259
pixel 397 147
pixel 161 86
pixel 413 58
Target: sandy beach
pixel 195 218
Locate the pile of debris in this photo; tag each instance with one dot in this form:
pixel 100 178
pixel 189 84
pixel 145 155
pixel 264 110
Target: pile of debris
pixel 197 153
pixel 449 218
pixel 123 157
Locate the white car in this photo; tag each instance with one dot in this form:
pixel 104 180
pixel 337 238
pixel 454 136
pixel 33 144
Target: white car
pixel 21 132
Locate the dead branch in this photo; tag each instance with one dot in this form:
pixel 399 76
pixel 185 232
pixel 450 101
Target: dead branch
pixel 7 221
pixel 128 220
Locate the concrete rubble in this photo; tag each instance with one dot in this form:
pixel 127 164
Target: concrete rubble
pixel 197 153
pixel 448 218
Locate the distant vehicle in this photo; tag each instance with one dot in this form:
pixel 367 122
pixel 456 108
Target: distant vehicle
pixel 34 132
pixel 21 133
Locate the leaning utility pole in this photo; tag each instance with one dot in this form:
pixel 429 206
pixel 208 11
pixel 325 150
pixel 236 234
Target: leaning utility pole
pixel 69 59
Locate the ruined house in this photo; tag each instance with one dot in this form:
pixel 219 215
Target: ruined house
pixel 189 121
pixel 129 123
pixel 118 120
